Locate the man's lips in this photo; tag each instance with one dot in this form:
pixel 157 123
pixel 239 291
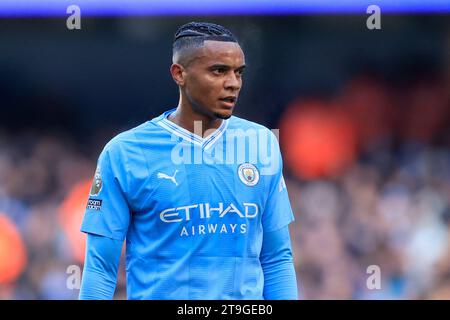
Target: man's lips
pixel 228 102
pixel 231 99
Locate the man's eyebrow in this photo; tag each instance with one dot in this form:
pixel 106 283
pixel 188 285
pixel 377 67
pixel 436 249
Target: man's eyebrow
pixel 220 66
pixel 225 66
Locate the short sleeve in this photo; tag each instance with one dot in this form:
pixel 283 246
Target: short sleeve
pixel 107 211
pixel 277 212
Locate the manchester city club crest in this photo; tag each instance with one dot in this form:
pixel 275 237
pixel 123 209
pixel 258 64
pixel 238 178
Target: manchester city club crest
pixel 96 183
pixel 248 174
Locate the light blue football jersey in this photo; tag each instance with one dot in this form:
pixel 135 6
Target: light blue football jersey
pixel 192 209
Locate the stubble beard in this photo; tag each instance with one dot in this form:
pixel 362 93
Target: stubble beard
pixel 222 116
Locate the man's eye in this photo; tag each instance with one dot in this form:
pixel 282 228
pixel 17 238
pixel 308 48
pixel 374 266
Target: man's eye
pixel 219 71
pixel 240 72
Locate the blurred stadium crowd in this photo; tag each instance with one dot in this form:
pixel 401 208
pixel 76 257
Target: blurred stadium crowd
pixel 368 172
pixel 377 162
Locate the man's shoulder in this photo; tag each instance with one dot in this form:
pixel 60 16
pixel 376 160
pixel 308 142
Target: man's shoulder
pixel 247 127
pixel 241 123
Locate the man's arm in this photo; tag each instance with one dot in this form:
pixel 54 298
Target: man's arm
pixel 280 282
pixel 100 268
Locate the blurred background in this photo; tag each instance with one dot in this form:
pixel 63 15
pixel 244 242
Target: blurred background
pixel 364 119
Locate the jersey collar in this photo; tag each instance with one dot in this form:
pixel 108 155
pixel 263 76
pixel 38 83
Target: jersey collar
pixel 175 129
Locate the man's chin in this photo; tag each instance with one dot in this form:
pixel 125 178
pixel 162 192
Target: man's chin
pixel 224 115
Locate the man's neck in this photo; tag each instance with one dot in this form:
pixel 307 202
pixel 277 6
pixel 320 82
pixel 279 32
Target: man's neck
pixel 194 122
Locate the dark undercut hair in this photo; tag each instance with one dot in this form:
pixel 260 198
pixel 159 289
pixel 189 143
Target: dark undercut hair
pixel 191 36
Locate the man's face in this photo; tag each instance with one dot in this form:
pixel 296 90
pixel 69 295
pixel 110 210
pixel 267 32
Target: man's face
pixel 214 78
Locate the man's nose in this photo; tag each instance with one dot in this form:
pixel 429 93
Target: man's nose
pixel 232 82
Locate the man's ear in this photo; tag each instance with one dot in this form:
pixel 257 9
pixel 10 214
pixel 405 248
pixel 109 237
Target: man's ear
pixel 178 73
